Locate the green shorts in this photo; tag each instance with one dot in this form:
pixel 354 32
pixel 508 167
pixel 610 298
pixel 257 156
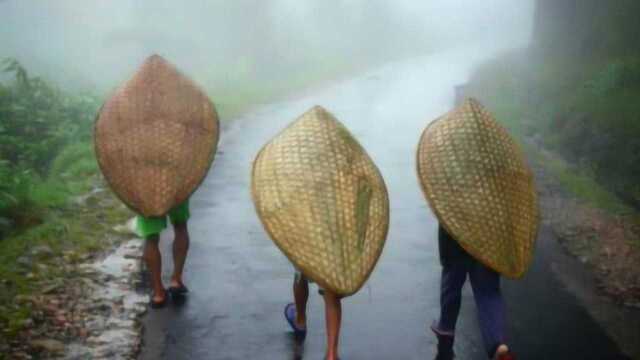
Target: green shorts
pixel 148 226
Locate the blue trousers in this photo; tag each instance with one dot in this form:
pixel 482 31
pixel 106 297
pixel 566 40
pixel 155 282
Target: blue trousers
pixel 486 292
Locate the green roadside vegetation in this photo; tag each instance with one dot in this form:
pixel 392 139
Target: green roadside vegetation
pixel 580 120
pixel 45 149
pixel 574 94
pixel 46 164
pixel 582 185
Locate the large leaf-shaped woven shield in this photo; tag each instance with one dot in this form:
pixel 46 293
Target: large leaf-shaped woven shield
pixel 156 138
pixel 478 184
pixel 323 201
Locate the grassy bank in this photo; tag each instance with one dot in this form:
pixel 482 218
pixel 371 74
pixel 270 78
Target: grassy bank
pixel 49 218
pixel 584 113
pixel 578 120
pixel 581 185
pixel 38 259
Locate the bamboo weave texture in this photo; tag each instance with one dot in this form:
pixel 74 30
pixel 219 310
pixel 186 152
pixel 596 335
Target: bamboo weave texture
pixel 323 201
pixel 156 138
pixel 476 180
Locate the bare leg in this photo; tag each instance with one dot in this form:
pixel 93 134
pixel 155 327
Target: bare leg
pixel 153 260
pixel 180 249
pixel 333 316
pixel 301 295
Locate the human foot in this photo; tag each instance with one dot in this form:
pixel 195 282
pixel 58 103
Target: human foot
pixel 292 318
pixel 177 288
pixel 503 353
pixel 158 300
pixel 445 344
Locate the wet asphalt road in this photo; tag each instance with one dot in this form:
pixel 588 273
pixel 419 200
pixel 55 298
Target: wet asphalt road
pixel 240 281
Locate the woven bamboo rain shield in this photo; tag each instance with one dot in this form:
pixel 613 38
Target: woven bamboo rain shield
pixel 156 138
pixel 323 201
pixel 478 184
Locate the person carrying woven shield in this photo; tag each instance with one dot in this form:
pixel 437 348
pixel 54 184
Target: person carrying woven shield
pixel 149 228
pixel 324 203
pixel 480 188
pixel 296 313
pixel 457 265
pixel 155 139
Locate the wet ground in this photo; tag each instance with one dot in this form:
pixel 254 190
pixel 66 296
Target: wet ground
pixel 240 281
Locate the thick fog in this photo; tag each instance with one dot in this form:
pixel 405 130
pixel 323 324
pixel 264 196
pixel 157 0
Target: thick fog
pixel 94 45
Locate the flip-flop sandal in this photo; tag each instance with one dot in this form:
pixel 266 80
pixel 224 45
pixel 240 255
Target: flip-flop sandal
pixel 158 304
pixel 290 315
pixel 178 290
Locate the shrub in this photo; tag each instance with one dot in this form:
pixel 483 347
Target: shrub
pixel 616 75
pixel 37 120
pixel 45 146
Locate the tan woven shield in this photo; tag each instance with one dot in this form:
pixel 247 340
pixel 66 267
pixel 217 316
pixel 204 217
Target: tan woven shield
pixel 478 184
pixel 323 201
pixel 155 138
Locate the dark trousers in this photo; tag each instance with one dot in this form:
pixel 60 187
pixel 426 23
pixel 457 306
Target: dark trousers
pixel 486 291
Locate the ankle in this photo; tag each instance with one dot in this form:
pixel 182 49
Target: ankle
pixel 445 347
pixel 159 294
pixel 301 321
pixel 332 356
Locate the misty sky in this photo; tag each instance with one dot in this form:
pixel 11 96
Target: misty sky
pixel 96 44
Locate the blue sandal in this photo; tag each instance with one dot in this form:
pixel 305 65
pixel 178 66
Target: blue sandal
pixel 290 315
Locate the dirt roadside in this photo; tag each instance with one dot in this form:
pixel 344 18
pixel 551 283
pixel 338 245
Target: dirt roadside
pixel 600 262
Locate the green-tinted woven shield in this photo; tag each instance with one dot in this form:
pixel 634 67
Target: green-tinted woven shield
pixel 478 184
pixel 155 138
pixel 323 201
